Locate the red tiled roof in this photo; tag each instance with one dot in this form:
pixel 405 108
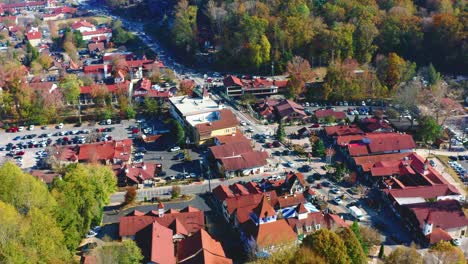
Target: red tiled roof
pixel 287 107
pixel 445 214
pixel 314 218
pixel 252 187
pixel 23 4
pixel 292 176
pixel 230 150
pixel 222 192
pixel 33 35
pixel 376 143
pixel 425 192
pixel 156 243
pixel 81 23
pixel 437 235
pixel 238 189
pixel 300 209
pixel 227 119
pixel 109 150
pixel 97 46
pixel 45 176
pixel 367 162
pixel 232 81
pixel 192 221
pixel 253 84
pixel 330 112
pixel 238 202
pixel 201 248
pixel 264 209
pixel 97 32
pixel 270 234
pixel 335 221
pixel 333 131
pixel 291 200
pixel 234 138
pixel 111 88
pixel 247 160
pixel 140 172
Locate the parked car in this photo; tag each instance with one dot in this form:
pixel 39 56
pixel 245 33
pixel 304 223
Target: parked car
pixel 276 144
pixel 175 148
pixel 17 138
pixel 179 156
pixel 335 190
pixel 59 126
pixel 90 234
pixel 306 168
pixel 291 164
pixel 456 242
pixel 338 200
pixel 31 127
pixel 21 128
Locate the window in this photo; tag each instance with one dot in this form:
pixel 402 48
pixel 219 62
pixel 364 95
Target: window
pixel 309 228
pixel 317 227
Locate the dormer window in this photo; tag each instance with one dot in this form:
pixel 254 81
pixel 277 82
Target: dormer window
pixel 317 226
pixel 309 228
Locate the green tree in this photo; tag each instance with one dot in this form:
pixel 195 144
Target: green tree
pixel 318 149
pixel 433 76
pixel 247 99
pixel 328 245
pixel 125 252
pixel 353 246
pixel 280 133
pixel 185 26
pixel 404 255
pixel 381 251
pixel 175 191
pixel 70 86
pixel 152 107
pixel 178 131
pixel 357 231
pixel 429 129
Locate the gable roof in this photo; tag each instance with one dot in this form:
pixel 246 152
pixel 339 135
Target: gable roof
pixel 201 248
pixel 227 119
pixel 137 173
pixel 156 243
pixel 237 202
pixel 233 138
pixel 33 35
pixel 264 209
pixel 291 200
pixel 334 131
pixel 230 150
pixel 81 23
pixel 293 176
pixel 247 160
pixel 97 46
pixel 425 192
pixel 287 107
pixel 445 214
pixel 371 143
pixel 367 162
pixel 330 112
pixel 270 234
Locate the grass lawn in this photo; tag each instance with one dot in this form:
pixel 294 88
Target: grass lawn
pixel 98 19
pixel 445 160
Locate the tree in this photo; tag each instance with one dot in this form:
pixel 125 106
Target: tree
pixel 353 247
pixel 247 99
pixel 100 94
pixel 340 172
pixel 175 192
pixel 357 231
pixel 444 252
pixel 70 86
pixel 330 119
pixel 152 107
pixel 299 72
pixel 178 131
pixel 318 149
pixel 280 133
pixel 328 245
pixel 370 236
pixel 393 70
pixel 130 195
pixel 381 251
pixel 291 255
pixel 404 255
pixel 185 25
pixel 186 87
pixel 125 252
pixel 428 129
pixel 433 76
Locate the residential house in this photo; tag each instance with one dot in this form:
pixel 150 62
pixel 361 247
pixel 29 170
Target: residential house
pixel 144 89
pixel 342 130
pixel 290 111
pixel 375 124
pixel 98 33
pixel 265 108
pixel 46 177
pixel 137 173
pixel 114 90
pixel 34 38
pixel 324 116
pixel 83 26
pixel 235 86
pixel 443 220
pixel 96 48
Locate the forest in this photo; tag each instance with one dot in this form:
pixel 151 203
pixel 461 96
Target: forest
pixel 256 35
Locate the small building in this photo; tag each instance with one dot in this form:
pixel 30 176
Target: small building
pixel 290 111
pixel 83 26
pixel 324 115
pixel 34 38
pixel 235 86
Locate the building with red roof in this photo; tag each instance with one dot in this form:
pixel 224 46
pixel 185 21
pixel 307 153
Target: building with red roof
pixel 101 32
pixel 266 108
pixel 323 115
pixel 436 221
pixel 237 137
pixel 156 243
pixel 288 110
pixel 83 26
pixel 34 38
pixel 201 248
pixel 137 173
pixel 375 124
pixel 108 152
pixel 114 90
pixel 342 130
pixel 258 86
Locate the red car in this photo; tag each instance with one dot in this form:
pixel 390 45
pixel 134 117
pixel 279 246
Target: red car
pixel 135 131
pixel 12 130
pixel 19 153
pixel 316 125
pixel 276 144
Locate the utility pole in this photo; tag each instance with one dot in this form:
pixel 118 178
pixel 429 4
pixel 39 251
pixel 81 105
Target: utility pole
pixel 272 69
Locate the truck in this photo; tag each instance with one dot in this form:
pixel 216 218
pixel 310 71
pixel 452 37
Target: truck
pixel 356 213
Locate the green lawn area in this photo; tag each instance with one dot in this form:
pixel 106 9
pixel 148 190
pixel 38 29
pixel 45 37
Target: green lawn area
pixel 98 19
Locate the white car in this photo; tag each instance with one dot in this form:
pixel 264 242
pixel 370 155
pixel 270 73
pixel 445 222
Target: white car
pixel 291 164
pixel 176 148
pixel 90 234
pixel 243 123
pixel 338 200
pixel 193 175
pixel 21 128
pixel 335 190
pixel 456 242
pixel 31 127
pixel 60 126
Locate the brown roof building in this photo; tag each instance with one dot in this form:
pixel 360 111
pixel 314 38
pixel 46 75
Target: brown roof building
pixel 201 248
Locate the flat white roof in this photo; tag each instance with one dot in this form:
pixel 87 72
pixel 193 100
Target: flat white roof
pixel 194 106
pixel 409 200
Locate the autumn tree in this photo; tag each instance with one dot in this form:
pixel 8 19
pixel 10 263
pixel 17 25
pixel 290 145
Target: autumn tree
pixel 299 72
pixel 404 255
pixel 444 252
pixel 370 236
pixel 100 94
pixel 394 70
pixel 185 26
pixel 130 195
pixel 328 245
pixel 353 246
pixel 70 86
pixel 186 87
pixel 125 252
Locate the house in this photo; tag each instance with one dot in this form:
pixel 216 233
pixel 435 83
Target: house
pixel 365 163
pixel 264 232
pixel 101 32
pixel 305 222
pixel 83 26
pixel 137 173
pixel 265 108
pixel 294 183
pixel 375 124
pixel 325 116
pixel 156 243
pixel 201 248
pixel 287 110
pixel 46 177
pixel 183 223
pixel 342 130
pixel 437 221
pixel 108 152
pixel 30 5
pixel 225 123
pixel 304 132
pixel 144 89
pixel 235 86
pixel 34 38
pixel 96 48
pixel 238 159
pixel 236 137
pixel 114 90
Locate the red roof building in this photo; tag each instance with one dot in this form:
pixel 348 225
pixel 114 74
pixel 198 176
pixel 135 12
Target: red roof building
pixel 238 137
pixel 156 243
pixel 290 110
pixel 115 151
pixel 335 131
pixel 376 143
pixel 137 173
pixel 258 86
pixel 201 248
pixel 323 114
